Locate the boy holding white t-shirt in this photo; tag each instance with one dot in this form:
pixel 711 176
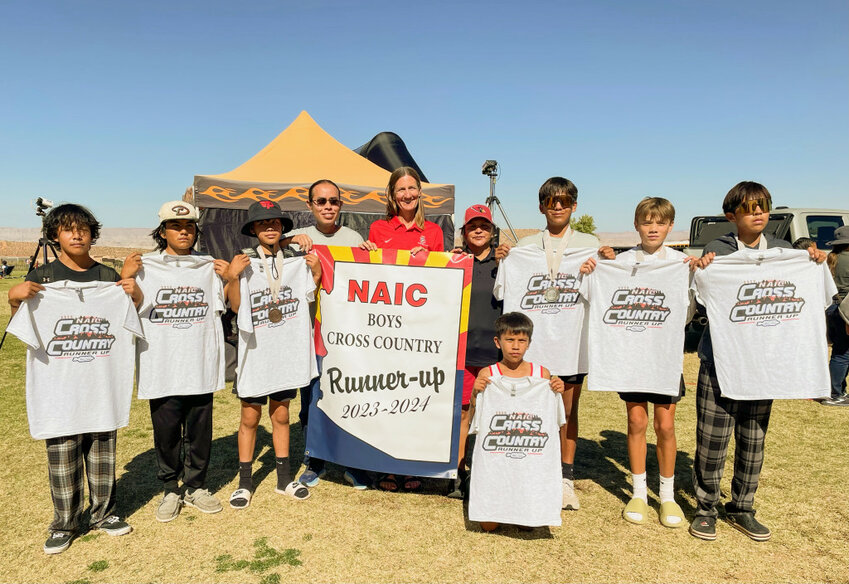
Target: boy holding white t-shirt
pixel 658 321
pixel 558 199
pixel 747 205
pixel 272 303
pixel 181 360
pixel 81 441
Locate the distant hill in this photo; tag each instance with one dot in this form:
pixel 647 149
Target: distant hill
pixel 109 236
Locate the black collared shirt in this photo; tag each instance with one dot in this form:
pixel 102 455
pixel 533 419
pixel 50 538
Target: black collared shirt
pixel 483 310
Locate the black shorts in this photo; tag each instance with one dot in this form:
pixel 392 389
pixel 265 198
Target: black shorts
pixel 653 398
pixel 280 396
pixel 577 379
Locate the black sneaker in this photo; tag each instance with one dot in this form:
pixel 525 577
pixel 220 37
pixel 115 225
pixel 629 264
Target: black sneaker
pixel 747 523
pixel 703 527
pixel 58 542
pixel 114 526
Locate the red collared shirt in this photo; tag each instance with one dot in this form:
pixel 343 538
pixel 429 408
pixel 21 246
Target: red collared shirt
pixel 391 233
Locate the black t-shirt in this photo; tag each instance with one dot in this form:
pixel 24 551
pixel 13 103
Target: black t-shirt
pixel 56 271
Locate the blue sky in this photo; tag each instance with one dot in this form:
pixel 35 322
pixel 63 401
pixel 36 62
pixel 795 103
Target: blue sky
pixel 118 105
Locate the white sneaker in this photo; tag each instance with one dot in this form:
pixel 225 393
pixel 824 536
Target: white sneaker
pixel 570 499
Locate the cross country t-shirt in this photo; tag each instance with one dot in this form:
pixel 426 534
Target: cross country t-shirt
pixel 274 356
pixel 637 316
pixel 559 341
pixel 80 356
pixel 767 323
pixel 516 460
pixel 183 350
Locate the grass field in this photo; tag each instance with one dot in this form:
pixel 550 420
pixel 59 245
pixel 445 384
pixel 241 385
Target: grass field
pixel 343 535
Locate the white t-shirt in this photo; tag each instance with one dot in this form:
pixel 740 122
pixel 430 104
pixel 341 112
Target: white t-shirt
pixel 559 341
pixel 344 237
pixel 80 355
pixel 516 461
pixel 275 356
pixel 767 323
pixel 637 317
pixel 183 350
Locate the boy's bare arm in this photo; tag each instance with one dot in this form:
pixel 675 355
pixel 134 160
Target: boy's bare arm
pixel 233 292
pixel 130 287
pixel 315 267
pixel 23 291
pixel 132 265
pixel 556 384
pixel 481 382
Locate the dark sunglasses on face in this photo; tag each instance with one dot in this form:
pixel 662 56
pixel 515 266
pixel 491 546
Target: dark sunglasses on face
pixel 552 202
pixel 321 202
pixel 749 206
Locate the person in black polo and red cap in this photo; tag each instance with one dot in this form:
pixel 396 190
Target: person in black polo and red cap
pixel 272 291
pixel 478 232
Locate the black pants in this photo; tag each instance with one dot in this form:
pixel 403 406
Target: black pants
pixel 182 437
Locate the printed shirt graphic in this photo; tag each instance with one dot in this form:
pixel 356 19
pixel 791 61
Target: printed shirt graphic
pixel 559 341
pixel 516 461
pixel 636 325
pixel 767 323
pixel 80 356
pixel 274 356
pixel 183 350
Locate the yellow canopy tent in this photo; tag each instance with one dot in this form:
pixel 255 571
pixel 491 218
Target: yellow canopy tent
pixel 283 171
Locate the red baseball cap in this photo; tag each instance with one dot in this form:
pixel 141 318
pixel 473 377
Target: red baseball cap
pixel 476 211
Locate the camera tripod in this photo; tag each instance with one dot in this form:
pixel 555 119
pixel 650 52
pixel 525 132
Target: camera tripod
pixel 490 169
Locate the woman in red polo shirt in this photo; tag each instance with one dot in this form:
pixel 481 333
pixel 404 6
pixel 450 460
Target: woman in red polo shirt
pixel 405 226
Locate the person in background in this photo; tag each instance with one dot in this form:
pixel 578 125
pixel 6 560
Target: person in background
pixel 838 364
pixel 478 232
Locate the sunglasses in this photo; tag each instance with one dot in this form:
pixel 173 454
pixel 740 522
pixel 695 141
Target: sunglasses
pixel 747 207
pixel 552 201
pixel 322 201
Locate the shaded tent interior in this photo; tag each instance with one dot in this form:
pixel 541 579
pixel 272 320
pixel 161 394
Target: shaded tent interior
pixel 289 164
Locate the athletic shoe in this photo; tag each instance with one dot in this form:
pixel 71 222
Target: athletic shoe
pixel 311 478
pixel 842 400
pixel 169 507
pixel 357 478
pixel 747 523
pixel 58 542
pixel 570 499
pixel 114 526
pixel 703 527
pixel 202 500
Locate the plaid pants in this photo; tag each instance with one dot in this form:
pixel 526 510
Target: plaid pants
pixel 65 459
pixel 716 418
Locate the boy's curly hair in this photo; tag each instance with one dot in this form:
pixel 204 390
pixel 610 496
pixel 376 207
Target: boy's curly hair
pixel 68 216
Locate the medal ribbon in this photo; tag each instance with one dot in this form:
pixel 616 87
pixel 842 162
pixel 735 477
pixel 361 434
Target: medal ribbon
pixel 276 263
pixel 553 256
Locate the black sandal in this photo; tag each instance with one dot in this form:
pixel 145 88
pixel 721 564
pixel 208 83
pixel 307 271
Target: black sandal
pixel 390 479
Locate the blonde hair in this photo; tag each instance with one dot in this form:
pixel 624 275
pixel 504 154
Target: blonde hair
pixel 654 208
pixel 392 204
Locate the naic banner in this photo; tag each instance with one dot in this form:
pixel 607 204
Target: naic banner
pixel 390 335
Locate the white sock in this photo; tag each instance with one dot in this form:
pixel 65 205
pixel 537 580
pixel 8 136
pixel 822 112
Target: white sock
pixel 667 488
pixel 640 489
